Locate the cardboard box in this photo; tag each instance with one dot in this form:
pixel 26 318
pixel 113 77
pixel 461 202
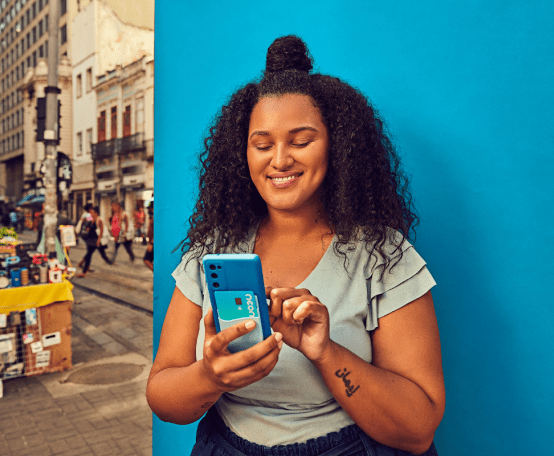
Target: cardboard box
pixel 53 329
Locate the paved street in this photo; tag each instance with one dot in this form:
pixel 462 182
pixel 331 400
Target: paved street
pixel 98 407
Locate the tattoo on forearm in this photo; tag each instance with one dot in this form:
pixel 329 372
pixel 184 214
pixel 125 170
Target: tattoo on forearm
pixel 207 405
pixel 350 388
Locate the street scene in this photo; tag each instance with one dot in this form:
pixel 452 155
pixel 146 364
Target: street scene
pixel 76 226
pixel 98 407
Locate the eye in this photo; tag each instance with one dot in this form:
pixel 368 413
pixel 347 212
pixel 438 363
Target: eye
pixel 262 147
pixel 301 144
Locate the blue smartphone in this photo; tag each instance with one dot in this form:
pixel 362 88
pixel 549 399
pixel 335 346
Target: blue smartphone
pixel 237 293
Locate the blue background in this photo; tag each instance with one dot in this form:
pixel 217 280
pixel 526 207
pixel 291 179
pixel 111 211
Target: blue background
pixel 467 91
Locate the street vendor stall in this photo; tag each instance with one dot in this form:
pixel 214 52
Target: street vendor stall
pixel 35 317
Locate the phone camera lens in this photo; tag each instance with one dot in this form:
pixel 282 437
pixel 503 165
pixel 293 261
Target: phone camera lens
pixel 216 285
pixel 212 267
pixel 214 275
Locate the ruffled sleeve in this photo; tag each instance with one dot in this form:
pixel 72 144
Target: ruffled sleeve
pixel 189 278
pixel 408 280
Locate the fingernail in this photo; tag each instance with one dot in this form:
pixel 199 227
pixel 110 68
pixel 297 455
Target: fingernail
pixel 280 344
pixel 250 324
pixel 278 337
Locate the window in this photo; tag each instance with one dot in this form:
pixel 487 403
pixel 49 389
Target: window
pixel 113 122
pixel 40 31
pixel 102 127
pixel 40 51
pixel 34 10
pixel 79 144
pixel 89 141
pixel 34 59
pixel 63 5
pixel 46 49
pixel 63 34
pixel 34 35
pixel 89 80
pixel 127 121
pixel 78 86
pixel 140 114
pixel 28 36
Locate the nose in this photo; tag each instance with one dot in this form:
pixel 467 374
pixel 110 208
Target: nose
pixel 282 158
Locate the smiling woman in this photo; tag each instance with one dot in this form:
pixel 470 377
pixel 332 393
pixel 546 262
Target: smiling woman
pixel 297 169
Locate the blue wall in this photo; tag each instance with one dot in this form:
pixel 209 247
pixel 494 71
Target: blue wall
pixel 467 91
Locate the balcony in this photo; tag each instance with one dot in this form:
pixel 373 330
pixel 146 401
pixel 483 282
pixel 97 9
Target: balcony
pixel 131 143
pixel 106 149
pixel 115 146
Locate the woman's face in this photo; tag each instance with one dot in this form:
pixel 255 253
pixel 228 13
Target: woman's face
pixel 93 213
pixel 287 151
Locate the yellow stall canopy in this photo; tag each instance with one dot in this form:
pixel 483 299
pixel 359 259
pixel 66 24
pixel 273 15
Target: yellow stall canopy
pixel 21 298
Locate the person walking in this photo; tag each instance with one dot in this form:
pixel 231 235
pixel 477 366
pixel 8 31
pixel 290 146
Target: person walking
pixel 139 217
pixel 121 231
pixel 149 255
pixel 93 239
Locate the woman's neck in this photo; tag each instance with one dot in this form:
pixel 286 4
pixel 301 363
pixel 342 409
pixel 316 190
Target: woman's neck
pixel 297 224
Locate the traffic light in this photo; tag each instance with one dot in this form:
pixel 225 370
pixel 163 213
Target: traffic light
pixel 41 119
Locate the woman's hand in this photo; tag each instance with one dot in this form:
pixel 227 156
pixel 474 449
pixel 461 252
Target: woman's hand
pixel 230 371
pixel 301 319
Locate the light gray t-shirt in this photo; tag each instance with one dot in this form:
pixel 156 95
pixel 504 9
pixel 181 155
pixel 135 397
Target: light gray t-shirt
pixel 293 404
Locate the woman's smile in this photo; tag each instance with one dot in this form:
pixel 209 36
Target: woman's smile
pixel 284 180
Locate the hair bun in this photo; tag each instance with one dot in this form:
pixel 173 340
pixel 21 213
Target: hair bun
pixel 288 53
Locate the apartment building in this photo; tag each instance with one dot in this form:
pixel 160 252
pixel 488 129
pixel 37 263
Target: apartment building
pixel 103 45
pixel 123 155
pixel 23 46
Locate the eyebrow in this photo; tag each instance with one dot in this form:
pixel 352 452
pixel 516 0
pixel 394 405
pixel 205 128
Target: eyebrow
pixel 294 130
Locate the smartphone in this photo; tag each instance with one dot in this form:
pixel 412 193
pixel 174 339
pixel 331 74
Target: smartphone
pixel 237 293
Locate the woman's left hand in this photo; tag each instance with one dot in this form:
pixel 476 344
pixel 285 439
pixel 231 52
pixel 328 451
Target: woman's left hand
pixel 301 319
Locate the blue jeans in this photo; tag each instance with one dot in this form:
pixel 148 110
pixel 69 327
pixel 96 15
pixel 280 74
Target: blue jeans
pixel 214 438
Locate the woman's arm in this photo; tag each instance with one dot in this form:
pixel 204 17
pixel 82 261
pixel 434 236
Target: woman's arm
pixel 100 224
pixel 181 389
pixel 399 399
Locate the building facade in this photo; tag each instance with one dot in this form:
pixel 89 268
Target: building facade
pixel 23 45
pixel 102 45
pixel 124 151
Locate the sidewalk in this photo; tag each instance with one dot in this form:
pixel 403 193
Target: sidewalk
pixel 98 407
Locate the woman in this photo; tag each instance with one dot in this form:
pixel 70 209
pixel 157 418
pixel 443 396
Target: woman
pixel 120 231
pixel 93 239
pixel 299 170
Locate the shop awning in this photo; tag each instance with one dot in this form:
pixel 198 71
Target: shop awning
pixel 25 199
pixel 37 199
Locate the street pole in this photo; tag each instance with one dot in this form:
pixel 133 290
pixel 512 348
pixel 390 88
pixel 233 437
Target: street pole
pixel 51 133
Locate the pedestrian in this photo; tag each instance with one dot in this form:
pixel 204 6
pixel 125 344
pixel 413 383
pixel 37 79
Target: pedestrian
pixel 82 227
pixel 149 255
pixel 39 223
pixel 121 230
pixel 93 240
pixel 298 169
pixel 138 217
pixel 13 219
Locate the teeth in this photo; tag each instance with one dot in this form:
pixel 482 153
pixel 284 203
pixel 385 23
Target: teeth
pixel 282 179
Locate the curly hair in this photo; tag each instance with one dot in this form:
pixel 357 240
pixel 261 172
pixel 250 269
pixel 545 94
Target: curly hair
pixel 365 194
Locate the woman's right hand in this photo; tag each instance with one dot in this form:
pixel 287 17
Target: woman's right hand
pixel 230 371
